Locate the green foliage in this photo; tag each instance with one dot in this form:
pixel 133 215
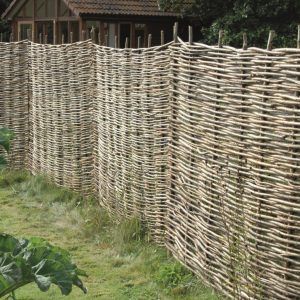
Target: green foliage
pixel 255 17
pixel 23 261
pixel 6 136
pixel 172 275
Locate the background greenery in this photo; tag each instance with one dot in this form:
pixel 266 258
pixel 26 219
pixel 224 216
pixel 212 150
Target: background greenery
pixel 255 17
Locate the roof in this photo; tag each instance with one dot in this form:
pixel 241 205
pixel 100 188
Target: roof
pixel 110 7
pixel 118 7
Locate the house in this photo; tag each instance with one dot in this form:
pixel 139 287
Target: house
pixel 114 21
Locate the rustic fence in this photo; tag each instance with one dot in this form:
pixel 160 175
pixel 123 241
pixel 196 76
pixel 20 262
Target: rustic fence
pixel 202 142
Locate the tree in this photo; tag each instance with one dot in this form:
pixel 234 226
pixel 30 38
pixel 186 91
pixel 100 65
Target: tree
pixel 255 17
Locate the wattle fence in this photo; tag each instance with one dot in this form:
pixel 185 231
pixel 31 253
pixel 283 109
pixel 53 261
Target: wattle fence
pixel 202 142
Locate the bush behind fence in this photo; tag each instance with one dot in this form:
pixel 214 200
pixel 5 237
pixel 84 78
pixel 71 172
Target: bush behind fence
pixel 202 142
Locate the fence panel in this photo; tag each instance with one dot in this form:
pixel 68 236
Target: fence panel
pixel 62 83
pixel 233 209
pixel 14 95
pixel 132 125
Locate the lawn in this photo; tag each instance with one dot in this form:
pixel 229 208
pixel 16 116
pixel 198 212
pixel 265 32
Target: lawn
pixel 120 262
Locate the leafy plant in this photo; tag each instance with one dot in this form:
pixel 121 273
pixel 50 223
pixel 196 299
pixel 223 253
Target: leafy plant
pixel 23 261
pixel 173 275
pixel 6 136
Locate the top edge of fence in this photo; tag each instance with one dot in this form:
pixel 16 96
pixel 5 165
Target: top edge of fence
pixel 179 42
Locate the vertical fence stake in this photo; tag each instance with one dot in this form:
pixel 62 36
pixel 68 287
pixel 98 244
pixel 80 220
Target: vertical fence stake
pixel 220 41
pixel 40 38
pixel 93 37
pixel 149 40
pixel 175 32
pixel 190 35
pixel 29 34
pixel 71 37
pixel 1 37
pixel 19 36
pixel 139 42
pixel 126 42
pixel 162 37
pixel 99 38
pixel 270 40
pixel 83 35
pixel 245 41
pixel 11 38
pixel 116 41
pixel 63 39
pixel 298 37
pixel 46 39
pixel 106 40
pixel 54 33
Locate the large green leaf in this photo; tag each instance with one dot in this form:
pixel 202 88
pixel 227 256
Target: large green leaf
pixel 35 260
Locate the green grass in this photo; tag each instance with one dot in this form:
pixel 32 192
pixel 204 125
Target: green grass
pixel 120 263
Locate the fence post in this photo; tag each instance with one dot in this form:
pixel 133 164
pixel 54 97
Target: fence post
pixel 116 41
pixel 139 42
pixel 40 38
pixel 126 42
pixel 46 39
pixel 71 37
pixel 1 37
pixel 106 40
pixel 11 38
pixel 63 39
